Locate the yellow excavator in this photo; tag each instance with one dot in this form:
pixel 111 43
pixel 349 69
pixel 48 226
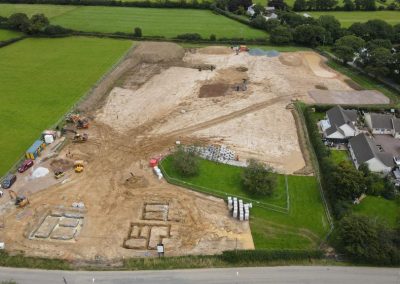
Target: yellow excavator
pixel 78 166
pixel 20 200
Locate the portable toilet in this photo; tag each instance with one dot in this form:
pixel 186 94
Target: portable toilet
pixel 34 151
pixel 153 162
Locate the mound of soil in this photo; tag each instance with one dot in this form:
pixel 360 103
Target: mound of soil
pixel 242 69
pixel 213 90
pixel 215 50
pixel 290 60
pixel 157 52
pixel 321 87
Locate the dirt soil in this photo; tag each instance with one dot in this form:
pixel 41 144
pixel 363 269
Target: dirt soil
pixel 155 102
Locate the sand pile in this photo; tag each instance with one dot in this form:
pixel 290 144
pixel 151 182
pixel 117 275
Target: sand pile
pixel 156 52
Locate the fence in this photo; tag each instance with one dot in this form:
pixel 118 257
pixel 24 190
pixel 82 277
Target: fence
pixel 14 167
pixel 224 195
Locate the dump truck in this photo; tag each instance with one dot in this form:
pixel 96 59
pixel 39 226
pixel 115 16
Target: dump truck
pixel 80 138
pixel 78 166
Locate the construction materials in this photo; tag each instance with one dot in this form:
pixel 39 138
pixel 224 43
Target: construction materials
pixel 239 210
pixel 78 166
pixel 221 154
pixel 158 172
pixel 80 138
pixel 34 151
pixel 40 172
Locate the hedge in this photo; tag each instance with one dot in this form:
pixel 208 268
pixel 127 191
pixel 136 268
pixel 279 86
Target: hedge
pixel 240 256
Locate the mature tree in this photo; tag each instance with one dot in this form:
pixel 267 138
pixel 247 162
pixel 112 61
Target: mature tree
pixel 258 179
pixel 331 25
pixel 349 5
pixel 258 9
pixel 360 30
pixel 369 5
pixel 347 46
pixel 394 67
pixel 281 35
pixel 300 5
pixel 222 4
pixel 19 21
pixel 185 162
pixel 137 32
pixel 272 24
pixel 375 43
pixel 213 37
pixel 378 62
pixel 396 33
pixel 293 20
pixel 278 4
pixel 379 29
pixel 259 22
pixel 325 4
pixel 349 183
pixel 234 5
pixel 37 23
pixel 310 35
pixel 365 240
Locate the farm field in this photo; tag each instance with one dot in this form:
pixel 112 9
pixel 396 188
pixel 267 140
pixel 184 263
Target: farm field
pixel 50 11
pixel 348 18
pixel 301 228
pixel 153 22
pixel 44 78
pixel 377 207
pixel 6 35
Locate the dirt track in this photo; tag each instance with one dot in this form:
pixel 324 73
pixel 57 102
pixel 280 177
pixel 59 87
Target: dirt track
pixel 155 104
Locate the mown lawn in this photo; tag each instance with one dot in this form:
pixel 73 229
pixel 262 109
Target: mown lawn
pixel 338 156
pixel 348 18
pixel 40 79
pixel 377 207
pixel 154 22
pixel 303 227
pixel 6 35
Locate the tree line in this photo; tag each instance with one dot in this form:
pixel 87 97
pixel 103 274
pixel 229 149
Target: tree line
pixel 348 5
pixel 361 238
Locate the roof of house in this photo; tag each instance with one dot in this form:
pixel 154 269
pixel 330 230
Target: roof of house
pixel 337 117
pixel 382 121
pixel 396 124
pixel 365 149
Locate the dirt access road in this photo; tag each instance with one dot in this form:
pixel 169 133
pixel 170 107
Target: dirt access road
pixel 162 96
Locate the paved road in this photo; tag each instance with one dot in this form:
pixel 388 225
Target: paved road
pixel 276 275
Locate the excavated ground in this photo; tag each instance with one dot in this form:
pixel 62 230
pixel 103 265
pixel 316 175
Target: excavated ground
pixel 156 100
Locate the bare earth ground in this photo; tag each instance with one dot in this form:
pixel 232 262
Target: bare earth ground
pixel 127 210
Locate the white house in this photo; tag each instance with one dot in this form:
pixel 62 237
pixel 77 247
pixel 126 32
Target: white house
pixel 364 150
pixel 340 124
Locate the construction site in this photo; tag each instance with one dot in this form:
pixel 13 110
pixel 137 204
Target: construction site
pixel 91 194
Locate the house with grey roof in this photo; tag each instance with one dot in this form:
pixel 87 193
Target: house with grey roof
pixel 364 150
pixel 340 124
pixel 383 124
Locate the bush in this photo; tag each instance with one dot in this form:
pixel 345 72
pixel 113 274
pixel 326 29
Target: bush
pixel 281 35
pixel 245 256
pixel 189 36
pixel 258 179
pixel 213 37
pixel 185 162
pixel 137 32
pixel 56 30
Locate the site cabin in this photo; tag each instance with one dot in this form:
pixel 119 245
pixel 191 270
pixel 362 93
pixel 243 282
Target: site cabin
pixel 383 124
pixel 340 124
pixel 34 151
pixel 363 150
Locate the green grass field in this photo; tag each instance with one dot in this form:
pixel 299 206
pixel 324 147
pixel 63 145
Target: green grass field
pixel 40 79
pixel 302 228
pixel 377 207
pixel 153 22
pixel 348 18
pixel 6 35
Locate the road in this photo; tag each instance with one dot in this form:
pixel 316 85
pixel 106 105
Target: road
pixel 276 275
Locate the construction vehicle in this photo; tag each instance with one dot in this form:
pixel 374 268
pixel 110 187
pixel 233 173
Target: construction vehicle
pixel 243 48
pixel 80 138
pixel 20 200
pixel 82 123
pixel 58 174
pixel 78 166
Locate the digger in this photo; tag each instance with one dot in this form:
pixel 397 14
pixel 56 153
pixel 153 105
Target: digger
pixel 82 123
pixel 20 200
pixel 78 166
pixel 80 138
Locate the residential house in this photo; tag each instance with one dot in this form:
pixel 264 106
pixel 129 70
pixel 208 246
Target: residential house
pixel 383 124
pixel 364 150
pixel 340 124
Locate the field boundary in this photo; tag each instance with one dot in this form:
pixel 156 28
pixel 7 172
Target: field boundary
pixel 314 161
pixel 224 195
pixel 60 121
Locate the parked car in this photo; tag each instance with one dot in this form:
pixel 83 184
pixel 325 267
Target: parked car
pixel 25 165
pixel 8 181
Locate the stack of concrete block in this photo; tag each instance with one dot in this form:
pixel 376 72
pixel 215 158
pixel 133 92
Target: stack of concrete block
pixel 239 210
pixel 220 154
pixel 235 208
pixel 230 203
